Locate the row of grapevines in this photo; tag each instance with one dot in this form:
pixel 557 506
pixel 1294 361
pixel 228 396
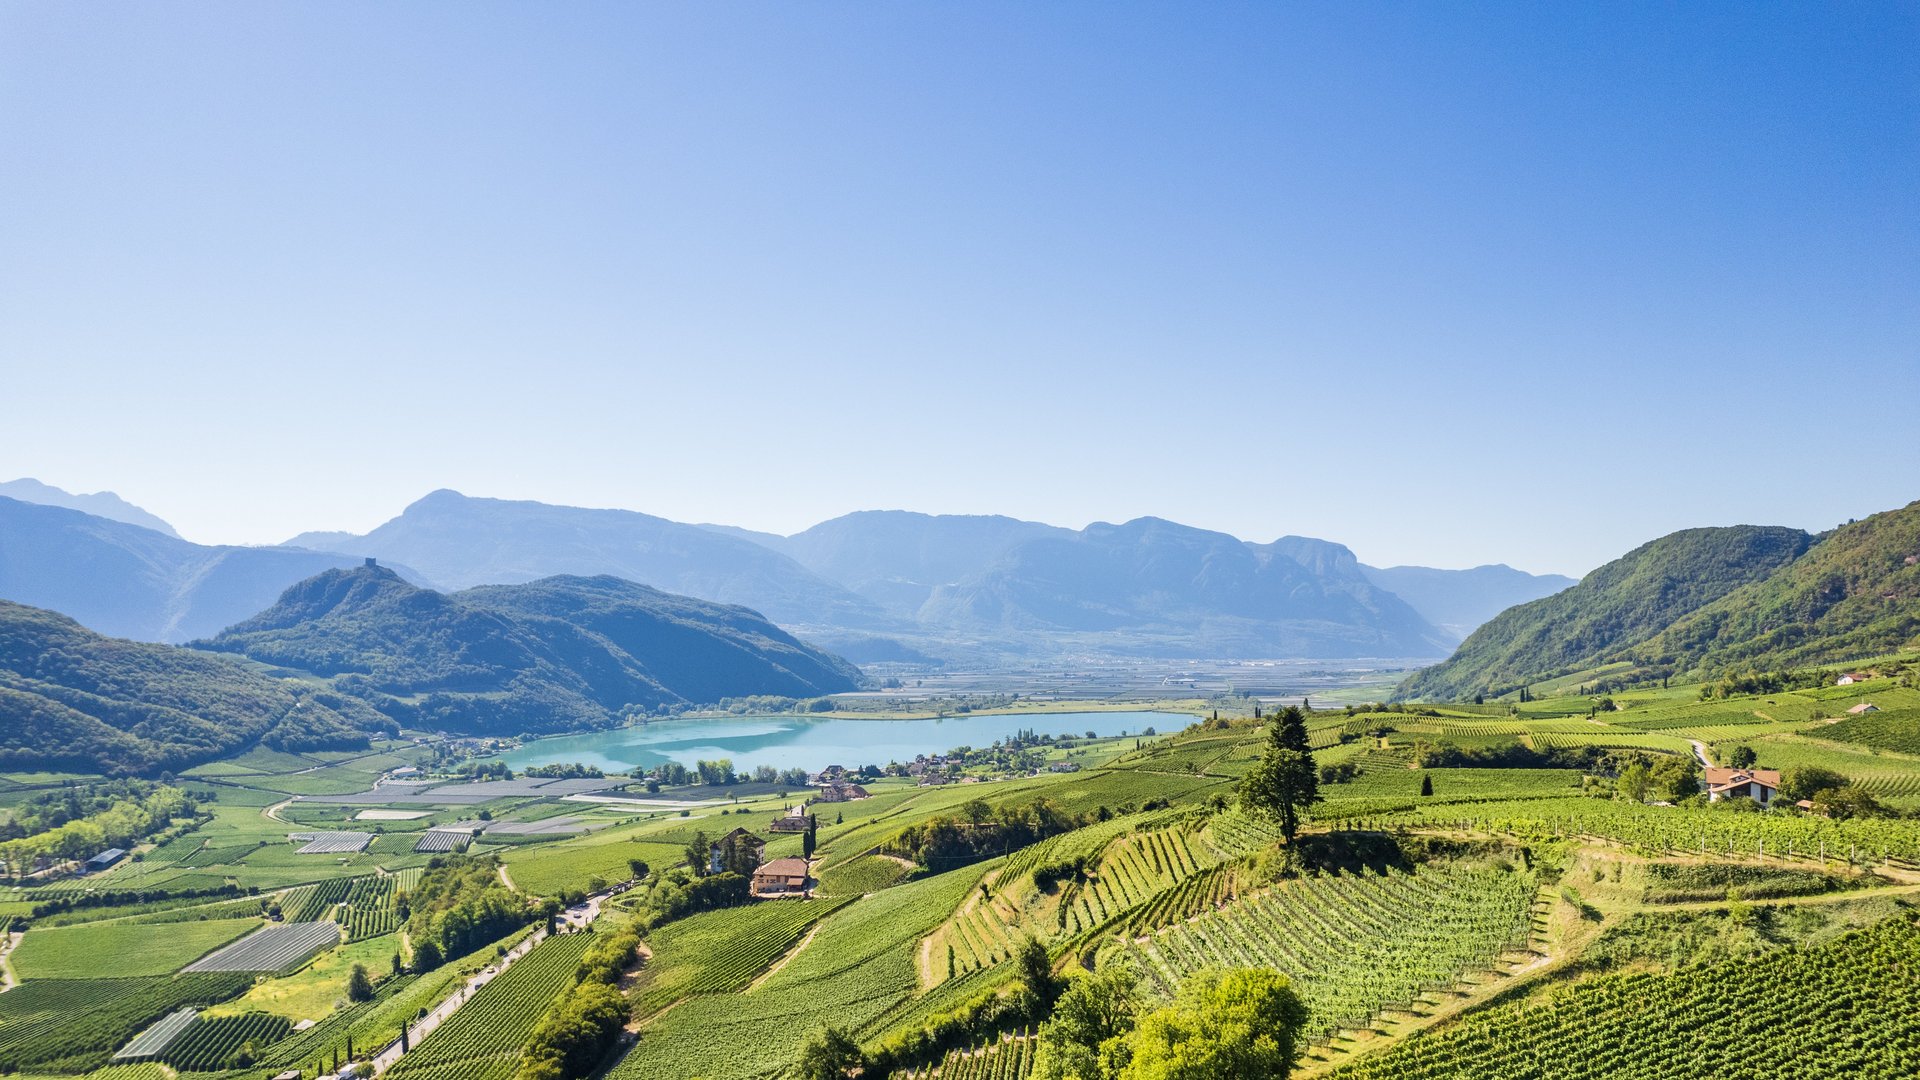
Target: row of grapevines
pixel 501 1015
pixel 1355 944
pixel 1844 1008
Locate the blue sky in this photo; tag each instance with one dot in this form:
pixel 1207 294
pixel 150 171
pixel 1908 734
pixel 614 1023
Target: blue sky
pixel 1448 283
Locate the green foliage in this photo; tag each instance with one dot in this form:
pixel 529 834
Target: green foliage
pixel 1281 787
pixel 1353 943
pixel 500 1019
pixel 1895 729
pixel 1086 1037
pixel 1238 1024
pixel 943 842
pixel 574 1035
pixel 559 654
pixel 1844 1008
pixel 81 1021
pixel 1612 609
pixel 1806 781
pixel 459 905
pixel 830 1055
pixel 120 950
pixel 72 699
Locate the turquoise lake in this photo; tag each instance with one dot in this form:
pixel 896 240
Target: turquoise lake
pixel 790 742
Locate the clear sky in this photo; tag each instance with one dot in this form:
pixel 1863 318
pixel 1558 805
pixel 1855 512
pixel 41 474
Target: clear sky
pixel 1448 283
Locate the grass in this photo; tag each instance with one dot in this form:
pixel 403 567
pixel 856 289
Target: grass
pixel 317 988
pixel 121 950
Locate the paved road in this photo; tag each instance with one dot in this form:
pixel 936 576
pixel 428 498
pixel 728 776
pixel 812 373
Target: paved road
pixel 578 917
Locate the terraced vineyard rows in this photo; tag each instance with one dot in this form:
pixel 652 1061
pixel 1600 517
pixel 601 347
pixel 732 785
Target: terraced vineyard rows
pixel 1845 1008
pixel 491 1028
pixel 1008 1059
pixel 1356 943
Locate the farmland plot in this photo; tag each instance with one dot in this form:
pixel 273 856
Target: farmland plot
pixel 274 948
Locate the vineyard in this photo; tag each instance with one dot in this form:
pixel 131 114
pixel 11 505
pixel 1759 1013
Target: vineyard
pixel 1845 1008
pixel 214 1042
pixel 1898 731
pixel 721 951
pixel 1354 944
pixel 860 875
pixel 490 1029
pixel 858 969
pixel 85 1020
pixel 1657 830
pixel 1007 1059
pixel 272 948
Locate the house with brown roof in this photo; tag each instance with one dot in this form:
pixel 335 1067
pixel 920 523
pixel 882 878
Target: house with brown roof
pixel 781 878
pixel 796 820
pixel 1760 785
pixel 842 792
pixel 1863 709
pixel 1850 678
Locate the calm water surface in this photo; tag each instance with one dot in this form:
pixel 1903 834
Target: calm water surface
pixel 788 742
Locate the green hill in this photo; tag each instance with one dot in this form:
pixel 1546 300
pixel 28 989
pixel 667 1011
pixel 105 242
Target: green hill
pixel 1855 593
pixel 1613 609
pixel 561 653
pixel 73 699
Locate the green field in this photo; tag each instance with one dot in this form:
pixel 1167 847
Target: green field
pixel 121 950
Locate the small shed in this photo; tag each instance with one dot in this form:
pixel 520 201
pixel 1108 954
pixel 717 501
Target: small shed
pixel 1863 709
pixel 106 858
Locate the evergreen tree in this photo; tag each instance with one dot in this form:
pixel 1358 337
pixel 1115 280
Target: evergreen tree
pixel 1426 785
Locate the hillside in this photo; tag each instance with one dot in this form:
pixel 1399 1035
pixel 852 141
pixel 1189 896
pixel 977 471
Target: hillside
pixel 1855 593
pixel 74 699
pixel 1152 586
pixel 1461 601
pixel 1611 611
pixel 455 541
pixel 100 504
pixel 127 581
pixel 555 654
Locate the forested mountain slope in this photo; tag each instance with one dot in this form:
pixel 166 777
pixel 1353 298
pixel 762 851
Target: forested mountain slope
pixel 555 654
pixel 1856 593
pixel 1611 611
pixel 73 699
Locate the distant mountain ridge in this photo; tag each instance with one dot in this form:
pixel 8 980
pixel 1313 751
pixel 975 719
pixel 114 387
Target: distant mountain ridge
pixel 456 541
pixel 74 699
pixel 100 504
pixel 1166 586
pixel 127 581
pixel 1460 601
pixel 561 653
pixel 876 586
pixel 1704 602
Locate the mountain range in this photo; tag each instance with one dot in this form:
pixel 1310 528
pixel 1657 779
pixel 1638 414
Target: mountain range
pixel 873 586
pixel 130 581
pixel 1703 602
pixel 881 585
pixel 558 654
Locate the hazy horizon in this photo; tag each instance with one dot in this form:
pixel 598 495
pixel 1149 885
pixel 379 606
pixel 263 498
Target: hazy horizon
pixel 1533 287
